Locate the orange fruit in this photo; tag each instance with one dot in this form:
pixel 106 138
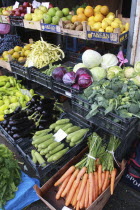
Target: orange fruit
pixel 80 10
pixel 74 18
pixel 104 10
pixel 82 17
pixel 89 11
pixel 98 18
pixel 97 8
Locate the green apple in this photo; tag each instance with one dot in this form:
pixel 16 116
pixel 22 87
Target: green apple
pixel 36 11
pixel 65 11
pixel 40 17
pixel 63 18
pixel 43 8
pixel 59 13
pixel 51 12
pixel 47 18
pixel 69 17
pixel 28 16
pixel 55 20
pixel 56 8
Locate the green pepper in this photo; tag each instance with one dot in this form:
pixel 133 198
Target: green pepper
pixel 2 83
pixel 7 85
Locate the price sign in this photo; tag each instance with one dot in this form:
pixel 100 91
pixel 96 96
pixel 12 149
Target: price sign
pixel 16 5
pixel 46 4
pixel 59 135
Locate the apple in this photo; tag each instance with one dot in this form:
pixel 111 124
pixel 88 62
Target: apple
pixel 22 14
pixel 55 20
pixel 21 9
pixel 17 13
pixel 25 10
pixel 26 4
pixel 47 18
pixel 43 9
pixel 63 18
pixel 59 13
pixel 32 10
pixel 51 6
pixel 6 13
pixel 16 10
pixel 69 17
pixel 51 12
pixel 66 11
pixel 40 17
pixel 56 8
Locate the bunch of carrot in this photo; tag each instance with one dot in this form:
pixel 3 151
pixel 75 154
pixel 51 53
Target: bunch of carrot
pixel 83 183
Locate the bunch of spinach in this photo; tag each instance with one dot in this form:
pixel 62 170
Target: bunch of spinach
pixel 9 175
pixel 121 97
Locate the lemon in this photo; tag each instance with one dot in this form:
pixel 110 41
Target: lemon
pixel 97 26
pixel 109 29
pixel 108 21
pixel 104 24
pixel 90 23
pixel 101 30
pixel 17 49
pixel 111 16
pixel 91 18
pixel 97 8
pixel 122 28
pixel 115 24
pixel 127 27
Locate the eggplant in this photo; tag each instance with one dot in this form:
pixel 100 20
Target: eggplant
pixel 18 121
pixel 18 115
pixel 39 108
pixel 41 127
pixel 16 136
pixel 17 110
pixel 6 129
pixel 8 126
pixel 5 122
pixel 21 127
pixel 7 116
pixel 35 98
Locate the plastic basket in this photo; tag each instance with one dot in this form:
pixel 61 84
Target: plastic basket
pixel 111 122
pixel 25 147
pixel 19 69
pixel 16 21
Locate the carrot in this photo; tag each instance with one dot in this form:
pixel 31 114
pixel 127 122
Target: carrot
pixel 103 177
pixel 90 188
pixel 74 200
pixel 71 180
pixel 82 201
pixel 81 173
pixel 87 192
pixel 106 181
pixel 83 184
pixel 96 185
pixel 65 175
pixel 78 205
pixel 113 175
pixel 100 178
pixel 62 187
pixel 71 193
pixel 94 192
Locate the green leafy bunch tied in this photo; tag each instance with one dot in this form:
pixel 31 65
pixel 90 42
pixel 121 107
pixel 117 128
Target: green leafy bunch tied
pixel 9 175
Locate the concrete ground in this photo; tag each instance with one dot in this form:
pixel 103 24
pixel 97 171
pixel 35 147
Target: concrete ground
pixel 124 198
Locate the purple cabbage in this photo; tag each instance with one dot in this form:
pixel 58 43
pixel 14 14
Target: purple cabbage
pixel 85 80
pixel 58 73
pixel 69 78
pixel 76 86
pixel 81 71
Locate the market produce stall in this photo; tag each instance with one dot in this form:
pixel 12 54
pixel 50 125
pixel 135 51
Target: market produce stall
pixel 80 131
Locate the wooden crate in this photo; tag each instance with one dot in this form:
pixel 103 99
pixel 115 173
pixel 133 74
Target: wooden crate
pixel 50 28
pixel 36 25
pixel 5 19
pixel 48 192
pixel 74 33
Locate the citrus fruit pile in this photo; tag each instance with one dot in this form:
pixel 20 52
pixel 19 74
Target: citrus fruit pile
pixel 100 19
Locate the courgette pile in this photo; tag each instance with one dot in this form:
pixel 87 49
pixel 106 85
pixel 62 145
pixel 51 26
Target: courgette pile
pixel 46 146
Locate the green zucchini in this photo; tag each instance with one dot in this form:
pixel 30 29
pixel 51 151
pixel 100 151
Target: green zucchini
pixel 40 159
pixel 33 156
pixel 45 144
pixel 79 135
pixel 69 125
pixel 57 155
pixel 72 144
pixel 52 126
pixel 53 145
pixel 62 121
pixel 57 149
pixel 72 129
pixel 43 138
pixel 38 133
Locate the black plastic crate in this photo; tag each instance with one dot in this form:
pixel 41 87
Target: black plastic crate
pixel 25 147
pixel 7 136
pixel 41 78
pixel 19 69
pixel 16 21
pixel 112 123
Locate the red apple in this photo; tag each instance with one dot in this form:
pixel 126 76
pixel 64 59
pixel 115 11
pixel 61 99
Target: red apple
pixel 12 13
pixel 21 8
pixel 50 6
pixel 26 4
pixel 17 13
pixel 22 14
pixel 16 10
pixel 24 10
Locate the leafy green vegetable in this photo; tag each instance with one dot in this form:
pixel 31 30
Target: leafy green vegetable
pixel 114 71
pixel 9 175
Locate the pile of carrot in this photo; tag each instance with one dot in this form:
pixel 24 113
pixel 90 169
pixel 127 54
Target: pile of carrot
pixel 81 184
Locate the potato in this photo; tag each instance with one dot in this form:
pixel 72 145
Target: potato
pixel 67 26
pixel 66 22
pixel 79 28
pixel 72 27
pixel 77 23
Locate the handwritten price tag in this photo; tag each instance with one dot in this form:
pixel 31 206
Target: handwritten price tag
pixel 46 4
pixel 16 5
pixel 60 135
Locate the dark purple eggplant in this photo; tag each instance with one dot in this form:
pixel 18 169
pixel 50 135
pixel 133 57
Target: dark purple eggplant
pixel 18 121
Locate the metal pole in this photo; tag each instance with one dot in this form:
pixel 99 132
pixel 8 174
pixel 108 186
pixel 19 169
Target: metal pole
pixel 131 31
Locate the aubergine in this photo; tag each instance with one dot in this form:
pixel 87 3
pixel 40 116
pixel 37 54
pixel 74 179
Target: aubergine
pixel 21 127
pixel 7 116
pixel 18 115
pixel 18 121
pixel 5 122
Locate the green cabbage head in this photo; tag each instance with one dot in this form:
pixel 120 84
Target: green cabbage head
pixel 136 80
pixel 98 73
pixel 137 67
pixel 114 71
pixel 129 72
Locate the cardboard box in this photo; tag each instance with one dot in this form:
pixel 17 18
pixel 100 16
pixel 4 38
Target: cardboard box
pixel 48 192
pixel 5 65
pixel 5 19
pixel 74 33
pixel 36 25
